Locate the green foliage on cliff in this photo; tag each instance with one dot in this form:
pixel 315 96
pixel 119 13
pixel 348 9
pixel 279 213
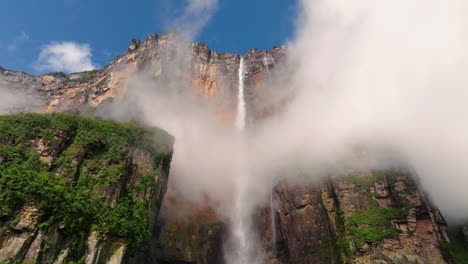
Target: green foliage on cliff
pixel 23 182
pixel 19 129
pixel 372 225
pixel 365 182
pixel 92 157
pixel 129 218
pixel 457 249
pixel 342 242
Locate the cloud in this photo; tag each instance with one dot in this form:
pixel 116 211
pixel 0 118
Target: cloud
pixel 391 75
pixel 199 6
pixel 18 40
pixel 196 15
pixel 65 57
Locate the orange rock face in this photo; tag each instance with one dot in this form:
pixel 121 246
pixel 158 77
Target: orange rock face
pixel 164 60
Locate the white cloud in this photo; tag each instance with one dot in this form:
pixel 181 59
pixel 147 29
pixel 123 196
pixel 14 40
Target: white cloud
pixel 198 6
pixel 13 46
pixel 388 74
pixel 65 57
pixel 196 15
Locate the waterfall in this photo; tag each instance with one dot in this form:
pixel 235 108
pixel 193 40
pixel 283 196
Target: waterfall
pixel 241 111
pixel 268 60
pixel 243 245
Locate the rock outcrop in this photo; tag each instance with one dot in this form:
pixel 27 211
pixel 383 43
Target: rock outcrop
pixel 168 61
pixel 75 189
pixel 379 217
pixel 194 238
pixel 465 232
pixel 185 233
pixel 366 218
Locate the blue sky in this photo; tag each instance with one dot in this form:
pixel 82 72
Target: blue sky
pixel 106 26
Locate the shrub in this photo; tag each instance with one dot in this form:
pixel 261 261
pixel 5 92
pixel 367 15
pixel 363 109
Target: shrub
pixel 373 225
pixel 76 202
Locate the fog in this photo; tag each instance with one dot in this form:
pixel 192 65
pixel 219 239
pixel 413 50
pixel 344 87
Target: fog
pixel 388 77
pixel 16 100
pixel 387 74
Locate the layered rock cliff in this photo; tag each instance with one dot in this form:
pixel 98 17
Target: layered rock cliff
pixel 379 217
pixel 368 217
pixel 166 60
pixel 76 189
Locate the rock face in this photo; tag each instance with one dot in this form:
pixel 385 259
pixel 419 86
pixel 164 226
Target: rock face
pixel 362 218
pixel 197 238
pixel 185 234
pixel 168 61
pixel 76 189
pixel 366 218
pixel 379 217
pixel 465 232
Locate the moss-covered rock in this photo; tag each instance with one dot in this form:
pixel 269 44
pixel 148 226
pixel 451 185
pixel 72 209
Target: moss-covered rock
pixel 367 217
pixel 64 177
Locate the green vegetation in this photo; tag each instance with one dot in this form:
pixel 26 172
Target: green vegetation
pixel 58 74
pixel 365 182
pixel 129 218
pixel 95 153
pixel 223 55
pixel 372 225
pixel 391 176
pixel 325 252
pixel 342 242
pixel 457 249
pixel 88 75
pixel 83 76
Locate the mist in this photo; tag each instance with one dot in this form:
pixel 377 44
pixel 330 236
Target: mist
pixel 388 77
pixel 14 101
pixel 195 16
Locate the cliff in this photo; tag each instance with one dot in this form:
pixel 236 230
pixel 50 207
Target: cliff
pixel 379 217
pixel 165 59
pixel 76 189
pixel 367 217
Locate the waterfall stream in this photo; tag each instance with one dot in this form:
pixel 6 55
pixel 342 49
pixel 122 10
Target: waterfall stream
pixel 241 111
pixel 268 60
pixel 243 243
